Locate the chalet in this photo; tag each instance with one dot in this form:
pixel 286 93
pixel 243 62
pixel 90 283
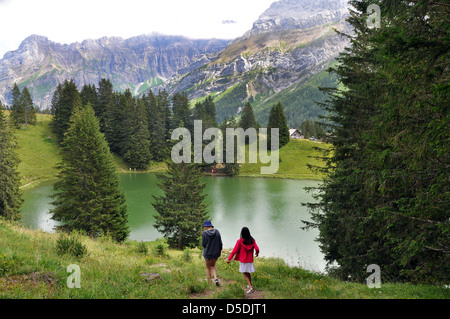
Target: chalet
pixel 295 134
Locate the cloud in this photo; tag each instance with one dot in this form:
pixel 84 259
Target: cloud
pixel 224 21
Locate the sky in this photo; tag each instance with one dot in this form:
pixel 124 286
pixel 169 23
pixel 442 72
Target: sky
pixel 68 21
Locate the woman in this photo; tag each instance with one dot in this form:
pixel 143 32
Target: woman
pixel 212 248
pixel 243 250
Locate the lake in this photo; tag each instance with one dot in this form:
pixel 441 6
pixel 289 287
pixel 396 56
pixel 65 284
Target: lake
pixel 271 208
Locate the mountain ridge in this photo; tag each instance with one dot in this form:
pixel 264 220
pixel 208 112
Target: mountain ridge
pixel 291 42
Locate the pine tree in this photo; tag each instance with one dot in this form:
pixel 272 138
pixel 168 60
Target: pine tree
pixel 88 197
pixel 136 150
pixel 157 126
pixel 29 116
pixel 88 94
pixel 231 168
pixel 17 111
pixel 105 111
pixel 385 199
pixel 210 113
pixel 181 111
pixel 10 193
pixel 182 209
pixel 277 119
pixel 248 120
pixel 69 98
pixel 56 99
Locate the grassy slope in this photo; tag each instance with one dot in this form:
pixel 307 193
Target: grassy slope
pixel 38 151
pixel 294 158
pixel 39 156
pixel 31 268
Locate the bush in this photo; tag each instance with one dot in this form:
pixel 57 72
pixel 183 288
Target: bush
pixel 70 246
pixel 187 255
pixel 142 248
pixel 160 249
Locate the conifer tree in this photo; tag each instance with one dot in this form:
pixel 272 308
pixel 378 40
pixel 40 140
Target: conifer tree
pixel 231 168
pixel 182 209
pixel 136 150
pixel 88 94
pixel 105 111
pixel 29 116
pixel 210 113
pixel 248 119
pixel 69 97
pixel 56 99
pixel 87 196
pixel 17 111
pixel 10 193
pixel 277 119
pixel 384 200
pixel 181 111
pixel 157 126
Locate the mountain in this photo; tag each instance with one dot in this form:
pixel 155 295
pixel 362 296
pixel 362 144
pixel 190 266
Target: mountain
pixel 282 58
pixel 137 63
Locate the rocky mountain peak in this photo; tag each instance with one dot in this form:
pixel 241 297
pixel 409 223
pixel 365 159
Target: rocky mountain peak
pixel 299 14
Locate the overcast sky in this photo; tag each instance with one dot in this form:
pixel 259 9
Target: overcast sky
pixel 66 21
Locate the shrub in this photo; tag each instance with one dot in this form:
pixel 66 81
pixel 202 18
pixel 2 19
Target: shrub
pixel 160 249
pixel 142 248
pixel 70 246
pixel 187 255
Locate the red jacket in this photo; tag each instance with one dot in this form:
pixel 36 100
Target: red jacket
pixel 244 253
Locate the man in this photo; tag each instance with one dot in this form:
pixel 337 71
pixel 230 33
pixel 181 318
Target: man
pixel 212 248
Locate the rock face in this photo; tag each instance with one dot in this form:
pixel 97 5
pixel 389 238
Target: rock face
pixel 290 43
pixel 299 14
pixel 136 63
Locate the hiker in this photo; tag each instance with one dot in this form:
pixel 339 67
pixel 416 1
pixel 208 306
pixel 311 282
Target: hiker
pixel 212 244
pixel 243 250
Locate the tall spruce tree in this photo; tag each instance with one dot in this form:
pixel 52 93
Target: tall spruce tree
pixel 385 200
pixel 248 120
pixel 10 193
pixel 157 126
pixel 277 119
pixel 88 94
pixel 17 111
pixel 105 110
pixel 182 209
pixel 87 196
pixel 69 98
pixel 136 150
pixel 56 99
pixel 181 111
pixel 29 111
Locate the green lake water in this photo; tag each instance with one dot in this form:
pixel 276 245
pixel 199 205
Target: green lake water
pixel 271 208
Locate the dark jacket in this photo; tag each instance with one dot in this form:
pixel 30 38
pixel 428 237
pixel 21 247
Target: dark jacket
pixel 212 244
